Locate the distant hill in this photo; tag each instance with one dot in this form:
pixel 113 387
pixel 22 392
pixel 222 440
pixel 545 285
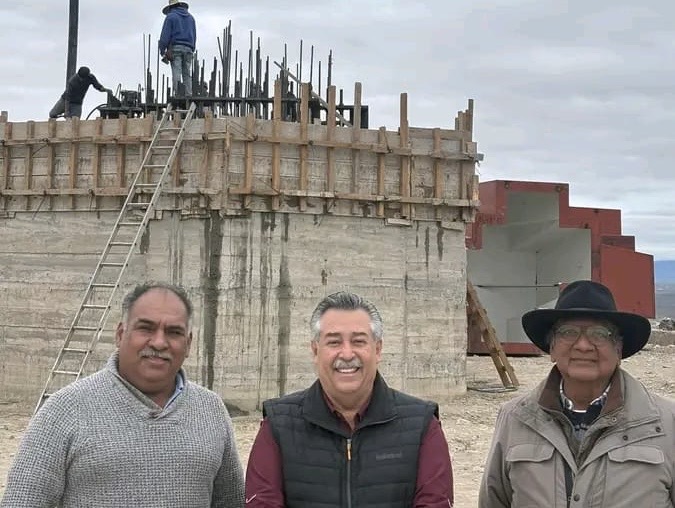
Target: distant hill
pixel 664 272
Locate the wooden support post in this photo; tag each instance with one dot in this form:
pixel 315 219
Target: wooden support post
pixel 304 121
pixel 356 153
pixel 96 160
pixel 149 128
pixel 206 158
pixel 3 117
pixel 121 155
pixel 73 164
pixel 28 161
pixel 248 154
pixel 276 147
pixel 382 141
pixel 404 136
pixel 51 158
pixel 6 158
pixel 439 183
pixel 330 136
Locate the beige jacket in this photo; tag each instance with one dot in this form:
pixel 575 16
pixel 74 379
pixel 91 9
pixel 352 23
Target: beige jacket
pixel 626 459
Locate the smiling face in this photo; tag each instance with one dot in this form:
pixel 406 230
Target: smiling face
pixel 153 342
pixel 346 356
pixel 584 360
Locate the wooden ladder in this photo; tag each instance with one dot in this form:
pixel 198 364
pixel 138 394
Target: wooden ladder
pixel 90 319
pixel 477 316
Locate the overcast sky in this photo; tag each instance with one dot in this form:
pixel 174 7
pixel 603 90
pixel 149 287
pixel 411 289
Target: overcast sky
pixel 566 91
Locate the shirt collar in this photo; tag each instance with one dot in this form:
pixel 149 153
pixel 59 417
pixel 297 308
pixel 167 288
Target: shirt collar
pixel 569 405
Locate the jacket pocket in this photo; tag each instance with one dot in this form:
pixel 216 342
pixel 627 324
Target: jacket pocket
pixel 532 473
pixel 636 476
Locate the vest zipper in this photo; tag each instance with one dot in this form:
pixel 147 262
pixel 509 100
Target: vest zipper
pixel 349 473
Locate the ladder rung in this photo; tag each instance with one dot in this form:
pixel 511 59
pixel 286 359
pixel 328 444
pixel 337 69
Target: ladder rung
pixel 94 306
pixel 121 244
pixel 162 147
pixel 146 185
pixel 75 350
pixel 102 285
pixel 66 372
pixel 130 223
pixel 154 166
pixel 170 128
pixel 138 205
pixel 85 328
pixel 112 264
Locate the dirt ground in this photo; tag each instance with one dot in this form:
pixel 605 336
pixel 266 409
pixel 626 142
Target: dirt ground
pixel 468 422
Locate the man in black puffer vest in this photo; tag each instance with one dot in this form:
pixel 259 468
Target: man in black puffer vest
pixel 349 440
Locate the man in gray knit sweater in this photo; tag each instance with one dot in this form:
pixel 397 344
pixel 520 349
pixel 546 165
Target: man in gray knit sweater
pixel 137 433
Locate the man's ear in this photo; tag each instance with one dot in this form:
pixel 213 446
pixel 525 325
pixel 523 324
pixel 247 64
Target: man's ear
pixel 189 343
pixel 119 333
pixel 315 348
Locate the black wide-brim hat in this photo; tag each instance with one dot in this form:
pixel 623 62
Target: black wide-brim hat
pixel 174 4
pixel 585 298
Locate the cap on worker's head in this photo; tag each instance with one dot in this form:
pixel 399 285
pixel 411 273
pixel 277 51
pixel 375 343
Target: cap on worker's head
pixel 174 3
pixel 83 72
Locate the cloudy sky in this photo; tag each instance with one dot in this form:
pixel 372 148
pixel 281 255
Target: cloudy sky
pixel 567 91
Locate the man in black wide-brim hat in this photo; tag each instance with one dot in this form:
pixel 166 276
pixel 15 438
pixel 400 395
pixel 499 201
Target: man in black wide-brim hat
pixel 590 435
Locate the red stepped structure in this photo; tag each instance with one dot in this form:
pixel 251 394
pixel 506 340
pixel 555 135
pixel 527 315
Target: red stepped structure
pixel 527 242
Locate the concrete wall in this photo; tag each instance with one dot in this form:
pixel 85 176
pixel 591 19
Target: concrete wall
pixel 254 281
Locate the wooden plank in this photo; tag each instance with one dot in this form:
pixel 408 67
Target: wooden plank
pixel 406 210
pixel 356 154
pixel 276 147
pixel 304 122
pixel 439 183
pixel 73 163
pixel 51 158
pixel 459 203
pixel 121 154
pixel 6 159
pixel 382 140
pixel 149 129
pixel 28 162
pixel 248 160
pixel 206 156
pixel 330 136
pixel 96 160
pixel 176 168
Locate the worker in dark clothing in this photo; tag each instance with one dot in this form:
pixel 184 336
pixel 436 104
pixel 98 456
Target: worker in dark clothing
pixel 70 103
pixel 177 45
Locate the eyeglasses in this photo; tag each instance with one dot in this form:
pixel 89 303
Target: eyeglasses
pixel 597 335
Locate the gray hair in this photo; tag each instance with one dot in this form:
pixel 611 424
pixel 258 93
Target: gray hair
pixel 131 297
pixel 343 300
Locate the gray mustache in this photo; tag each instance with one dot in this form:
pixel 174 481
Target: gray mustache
pixel 151 353
pixel 353 364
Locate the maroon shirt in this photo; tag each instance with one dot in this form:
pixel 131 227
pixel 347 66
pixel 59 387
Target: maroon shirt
pixel 265 484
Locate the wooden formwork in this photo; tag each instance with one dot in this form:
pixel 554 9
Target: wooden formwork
pixel 242 164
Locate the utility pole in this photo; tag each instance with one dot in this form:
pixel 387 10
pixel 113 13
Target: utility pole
pixel 73 20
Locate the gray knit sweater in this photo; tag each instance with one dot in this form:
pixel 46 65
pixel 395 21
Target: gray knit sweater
pixel 101 443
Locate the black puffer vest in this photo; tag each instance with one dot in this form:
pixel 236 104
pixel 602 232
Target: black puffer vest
pixel 324 466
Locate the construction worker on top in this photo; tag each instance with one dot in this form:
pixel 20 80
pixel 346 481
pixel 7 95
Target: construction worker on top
pixel 177 45
pixel 70 103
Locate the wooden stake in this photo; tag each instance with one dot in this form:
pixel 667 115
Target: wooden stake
pixel 276 147
pixel 204 169
pixel 51 158
pixel 330 136
pixel 304 121
pixel 439 184
pixel 6 157
pixel 382 141
pixel 28 161
pixel 74 159
pixel 96 160
pixel 406 209
pixel 248 153
pixel 356 138
pixel 121 154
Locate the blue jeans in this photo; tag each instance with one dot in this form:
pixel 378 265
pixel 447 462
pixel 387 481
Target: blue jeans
pixel 181 69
